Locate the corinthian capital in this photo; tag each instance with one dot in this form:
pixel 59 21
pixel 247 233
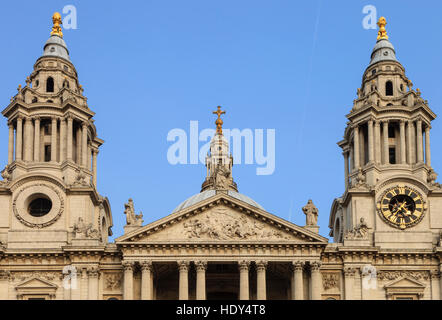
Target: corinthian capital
pixel 201 265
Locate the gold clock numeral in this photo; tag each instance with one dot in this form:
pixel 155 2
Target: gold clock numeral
pixel 401 190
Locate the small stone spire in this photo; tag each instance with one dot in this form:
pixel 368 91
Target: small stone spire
pixel 56 28
pixel 382 34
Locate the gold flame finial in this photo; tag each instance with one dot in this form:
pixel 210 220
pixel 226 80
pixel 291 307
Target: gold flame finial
pixel 382 34
pixel 56 28
pixel 219 121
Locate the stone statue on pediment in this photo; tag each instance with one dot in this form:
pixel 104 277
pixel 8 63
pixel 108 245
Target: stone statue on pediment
pixel 132 219
pixel 311 213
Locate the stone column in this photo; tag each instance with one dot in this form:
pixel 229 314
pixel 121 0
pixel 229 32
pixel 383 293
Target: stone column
pixel 84 145
pixel 28 140
pixel 69 136
pixel 183 267
pixel 420 152
pixel 356 148
pixel 349 279
pixel 244 280
pixel 93 274
pixel 37 139
pixel 403 146
pixel 377 142
pixel 316 280
pixel 54 140
pixel 386 144
pixel 19 139
pixel 128 293
pixel 146 280
pixel 261 286
pixel 201 267
pixel 427 146
pixel 410 129
pixel 62 140
pixel 94 167
pixel 346 169
pixel 370 142
pixel 78 153
pixel 298 279
pixel 11 143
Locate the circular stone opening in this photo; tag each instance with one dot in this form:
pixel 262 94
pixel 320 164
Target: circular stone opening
pixel 40 207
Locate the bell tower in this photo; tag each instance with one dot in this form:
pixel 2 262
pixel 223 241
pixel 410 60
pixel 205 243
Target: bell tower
pixel 390 188
pixel 49 193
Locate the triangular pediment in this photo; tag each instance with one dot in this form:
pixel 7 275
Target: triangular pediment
pixel 35 283
pixel 403 283
pixel 221 218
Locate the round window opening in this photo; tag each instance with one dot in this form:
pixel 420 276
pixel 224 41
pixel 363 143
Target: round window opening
pixel 40 207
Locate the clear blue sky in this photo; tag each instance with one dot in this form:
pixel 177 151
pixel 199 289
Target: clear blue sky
pixel 150 66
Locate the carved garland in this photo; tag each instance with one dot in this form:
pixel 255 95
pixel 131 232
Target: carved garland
pixel 38 225
pixel 393 275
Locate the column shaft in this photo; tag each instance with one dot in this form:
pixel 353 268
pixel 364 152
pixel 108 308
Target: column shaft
pixel 19 139
pixel 54 140
pixel 62 140
pixel 370 142
pixel 128 293
pixel 403 146
pixel 386 144
pixel 93 284
pixel 261 286
pixel 28 137
pixel 244 280
pixel 94 167
pixel 410 129
pixel 427 147
pixel 349 274
pixel 316 281
pixel 11 144
pixel 146 280
pixel 298 291
pixel 377 147
pixel 69 137
pixel 84 145
pixel 183 293
pixel 37 140
pixel 78 153
pixel 346 169
pixel 356 148
pixel 201 267
pixel 420 152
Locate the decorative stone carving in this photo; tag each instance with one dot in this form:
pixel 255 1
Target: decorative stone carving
pixel 201 265
pixel 6 175
pixel 183 266
pixel 315 265
pixel 224 225
pixel 393 275
pixel 311 213
pixel 132 219
pixel 93 272
pixel 113 281
pixel 223 178
pixel 261 265
pixel 298 265
pixel 146 265
pixel 82 231
pixel 244 265
pixel 5 275
pixel 360 180
pixel 80 179
pixel 358 232
pixel 330 281
pixel 46 275
pixel 349 272
pixel 431 179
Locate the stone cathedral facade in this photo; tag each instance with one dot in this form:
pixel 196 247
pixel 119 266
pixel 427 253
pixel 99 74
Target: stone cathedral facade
pixel 219 243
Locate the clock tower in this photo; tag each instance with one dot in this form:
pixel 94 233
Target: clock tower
pixel 391 198
pixel 49 195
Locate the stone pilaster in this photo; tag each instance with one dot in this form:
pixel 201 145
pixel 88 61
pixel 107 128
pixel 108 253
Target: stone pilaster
pixel 403 146
pixel 410 151
pixel 244 280
pixel 201 267
pixel 94 167
pixel 4 285
pixel 11 143
pixel 93 274
pixel 435 285
pixel 370 142
pixel 69 136
pixel 28 137
pixel 183 267
pixel 349 279
pixel 420 152
pixel 62 140
pixel 356 146
pixel 84 145
pixel 19 139
pixel 54 140
pixel 84 284
pixel 427 146
pixel 377 142
pixel 386 144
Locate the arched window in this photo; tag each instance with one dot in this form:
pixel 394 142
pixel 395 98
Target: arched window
pixel 389 88
pixel 50 85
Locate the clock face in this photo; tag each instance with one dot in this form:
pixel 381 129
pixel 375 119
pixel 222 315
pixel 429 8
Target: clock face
pixel 401 207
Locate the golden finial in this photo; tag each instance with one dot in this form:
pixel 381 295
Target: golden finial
pixel 56 29
pixel 219 121
pixel 382 34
